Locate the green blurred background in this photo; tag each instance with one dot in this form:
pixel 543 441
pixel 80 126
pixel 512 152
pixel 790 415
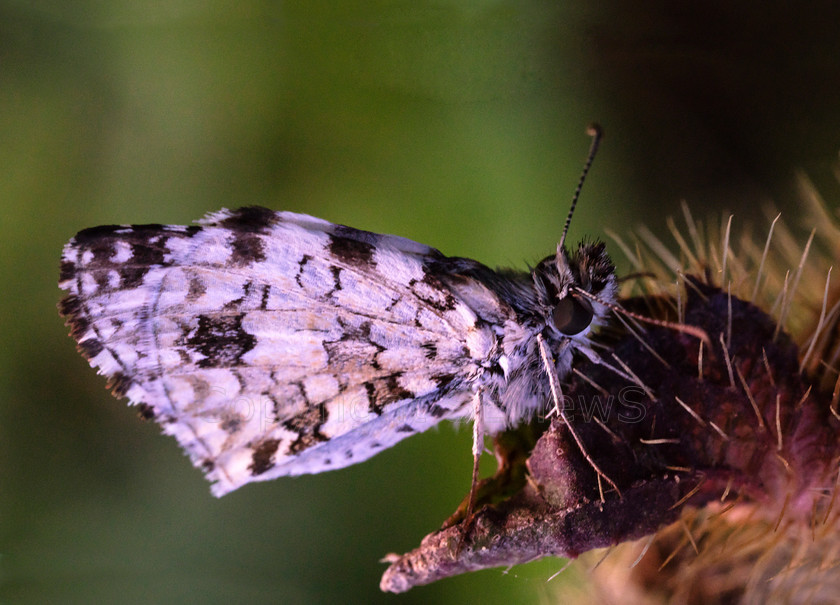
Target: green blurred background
pixel 457 124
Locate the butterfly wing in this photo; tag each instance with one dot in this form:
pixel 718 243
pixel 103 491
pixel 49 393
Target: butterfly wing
pixel 272 343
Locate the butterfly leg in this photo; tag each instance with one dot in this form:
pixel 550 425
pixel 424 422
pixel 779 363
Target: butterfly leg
pixel 477 449
pixel 557 396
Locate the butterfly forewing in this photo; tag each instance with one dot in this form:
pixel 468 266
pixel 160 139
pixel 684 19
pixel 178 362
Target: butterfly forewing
pixel 272 343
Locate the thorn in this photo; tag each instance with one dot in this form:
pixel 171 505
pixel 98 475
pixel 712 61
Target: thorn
pixel 753 402
pixel 728 363
pixel 763 258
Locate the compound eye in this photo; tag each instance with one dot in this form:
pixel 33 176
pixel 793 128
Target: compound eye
pixel 572 315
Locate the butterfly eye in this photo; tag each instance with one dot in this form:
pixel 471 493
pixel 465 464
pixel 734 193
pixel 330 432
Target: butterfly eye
pixel 572 315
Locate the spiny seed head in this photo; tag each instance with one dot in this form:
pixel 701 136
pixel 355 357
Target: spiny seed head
pixel 725 454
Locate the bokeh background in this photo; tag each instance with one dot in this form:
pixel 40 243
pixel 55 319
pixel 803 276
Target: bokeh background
pixel 455 123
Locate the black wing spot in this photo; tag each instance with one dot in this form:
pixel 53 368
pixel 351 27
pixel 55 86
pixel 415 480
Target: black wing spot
pixel 432 291
pixel 95 234
pixel 90 348
pixel 350 251
pixel 373 398
pixel 246 248
pixel 336 275
pixel 231 424
pixel 443 380
pixel 262 458
pixel 431 350
pixel 382 391
pixel 236 303
pixel 144 255
pixel 250 218
pixel 301 266
pixel 145 411
pixel 305 441
pixel 264 298
pixel 395 391
pixel 436 411
pixel 70 309
pixel 221 340
pixel 307 425
pixel 197 289
pixel 119 384
pixel 68 271
pixel 70 306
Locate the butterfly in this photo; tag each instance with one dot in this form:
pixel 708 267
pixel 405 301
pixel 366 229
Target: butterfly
pixel 274 343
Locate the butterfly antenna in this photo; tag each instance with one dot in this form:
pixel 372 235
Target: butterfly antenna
pixel 595 131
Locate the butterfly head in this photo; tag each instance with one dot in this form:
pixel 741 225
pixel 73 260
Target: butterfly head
pixel 563 282
pixel 577 287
